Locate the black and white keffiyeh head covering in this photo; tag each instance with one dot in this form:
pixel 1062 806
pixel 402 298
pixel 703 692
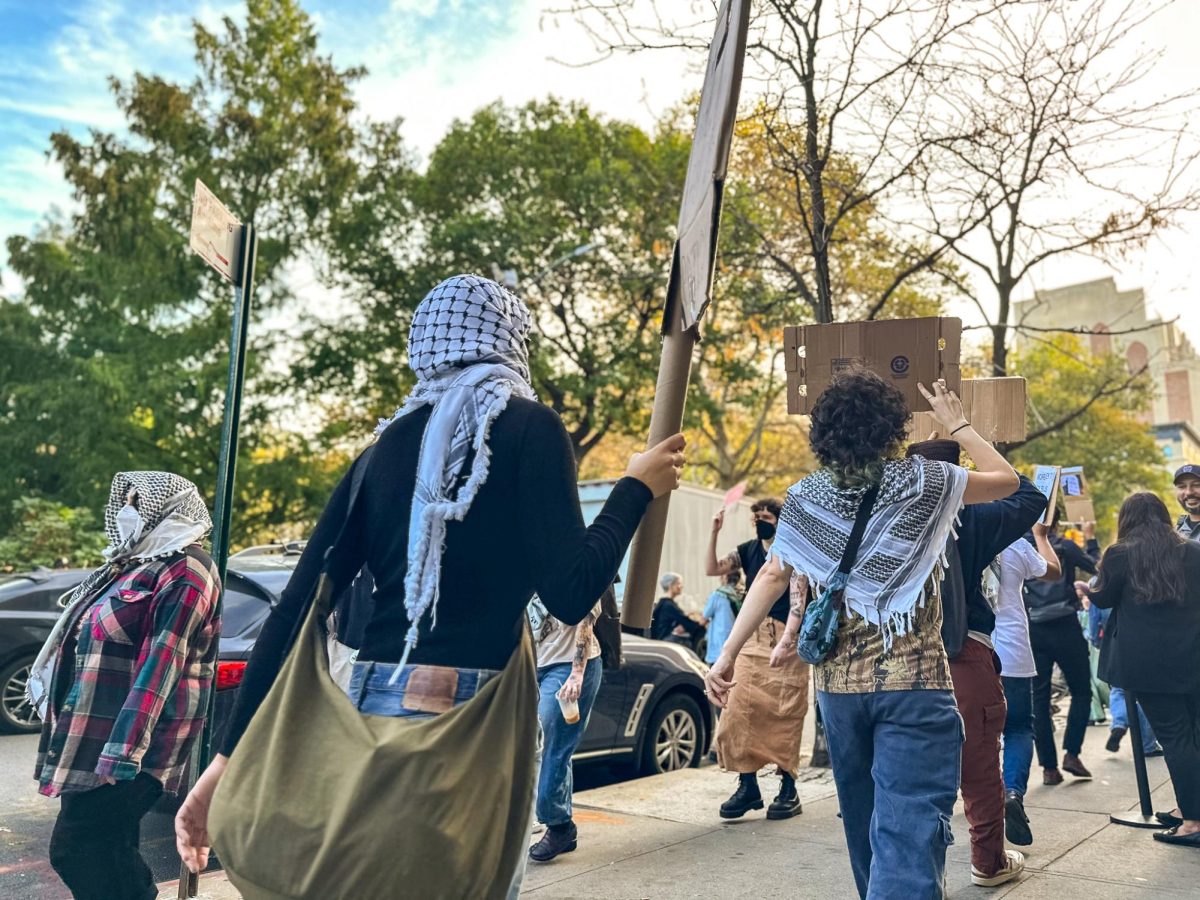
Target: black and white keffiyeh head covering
pixel 173 516
pixel 468 348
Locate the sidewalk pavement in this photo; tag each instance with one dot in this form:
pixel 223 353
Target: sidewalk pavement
pixel 661 838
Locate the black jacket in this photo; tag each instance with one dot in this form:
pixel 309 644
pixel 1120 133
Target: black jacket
pixel 986 529
pixel 1050 600
pixel 1150 646
pixel 666 616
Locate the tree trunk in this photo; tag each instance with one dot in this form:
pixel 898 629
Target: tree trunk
pixel 1000 332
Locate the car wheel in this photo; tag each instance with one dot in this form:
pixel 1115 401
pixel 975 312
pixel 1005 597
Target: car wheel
pixel 17 714
pixel 674 736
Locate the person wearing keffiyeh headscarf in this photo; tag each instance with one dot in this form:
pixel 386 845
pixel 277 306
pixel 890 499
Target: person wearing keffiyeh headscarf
pixel 468 505
pixel 885 689
pixel 122 683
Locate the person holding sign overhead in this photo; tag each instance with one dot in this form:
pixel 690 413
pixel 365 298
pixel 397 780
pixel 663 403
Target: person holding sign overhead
pixel 867 531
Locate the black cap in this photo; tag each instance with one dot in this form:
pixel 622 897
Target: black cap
pixel 1190 469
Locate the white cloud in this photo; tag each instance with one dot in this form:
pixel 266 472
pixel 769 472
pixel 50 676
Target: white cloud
pixel 453 82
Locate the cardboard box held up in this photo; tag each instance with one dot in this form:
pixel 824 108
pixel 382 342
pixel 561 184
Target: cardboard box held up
pixel 1077 500
pixel 994 406
pixel 903 351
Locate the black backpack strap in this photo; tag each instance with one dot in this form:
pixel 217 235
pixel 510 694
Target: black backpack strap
pixel 860 527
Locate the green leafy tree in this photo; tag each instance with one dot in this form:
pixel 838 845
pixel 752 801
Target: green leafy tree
pixel 115 355
pixel 1107 436
pixel 45 533
pixel 577 208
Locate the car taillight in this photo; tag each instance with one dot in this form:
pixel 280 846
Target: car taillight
pixel 230 674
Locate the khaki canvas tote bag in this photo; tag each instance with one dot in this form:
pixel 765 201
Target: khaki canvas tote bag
pixel 321 801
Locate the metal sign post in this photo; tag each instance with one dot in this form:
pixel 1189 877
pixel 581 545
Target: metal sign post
pixel 1144 817
pixel 231 248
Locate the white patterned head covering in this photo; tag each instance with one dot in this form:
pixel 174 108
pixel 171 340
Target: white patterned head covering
pixel 173 517
pixel 468 346
pixel 173 513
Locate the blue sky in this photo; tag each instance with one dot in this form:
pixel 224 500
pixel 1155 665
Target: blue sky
pixel 56 57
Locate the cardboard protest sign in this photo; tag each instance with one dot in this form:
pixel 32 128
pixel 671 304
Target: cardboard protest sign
pixel 1045 479
pixel 994 406
pixel 904 352
pixel 1076 497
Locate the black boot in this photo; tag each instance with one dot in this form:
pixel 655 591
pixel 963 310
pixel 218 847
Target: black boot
pixel 787 802
pixel 557 839
pixel 744 799
pixel 1016 822
pixel 1113 744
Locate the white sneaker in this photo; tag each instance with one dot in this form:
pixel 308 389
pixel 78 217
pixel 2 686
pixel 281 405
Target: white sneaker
pixel 1014 867
pixel 538 827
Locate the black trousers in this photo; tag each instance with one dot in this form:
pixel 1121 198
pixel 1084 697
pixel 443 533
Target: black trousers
pixel 1060 641
pixel 1176 722
pixel 94 846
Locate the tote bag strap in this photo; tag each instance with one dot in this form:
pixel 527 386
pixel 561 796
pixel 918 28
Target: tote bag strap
pixel 322 593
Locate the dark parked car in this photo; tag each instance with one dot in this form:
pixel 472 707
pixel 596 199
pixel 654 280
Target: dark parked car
pixel 650 712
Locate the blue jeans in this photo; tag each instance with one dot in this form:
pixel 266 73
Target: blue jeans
pixel 896 763
pixel 1018 733
pixel 373 695
pixel 1117 705
pixel 555 780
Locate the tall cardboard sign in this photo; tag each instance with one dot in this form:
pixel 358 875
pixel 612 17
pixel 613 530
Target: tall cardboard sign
pixel 1045 479
pixel 1077 499
pixel 904 352
pixel 994 406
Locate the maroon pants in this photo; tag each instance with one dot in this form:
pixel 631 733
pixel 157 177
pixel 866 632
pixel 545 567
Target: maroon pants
pixel 980 697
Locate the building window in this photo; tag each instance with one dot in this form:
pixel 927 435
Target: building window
pixel 1137 356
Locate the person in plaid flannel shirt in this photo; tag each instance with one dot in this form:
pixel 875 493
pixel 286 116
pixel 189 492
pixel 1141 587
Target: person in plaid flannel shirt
pixel 123 683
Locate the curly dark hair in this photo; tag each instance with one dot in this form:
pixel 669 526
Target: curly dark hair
pixel 858 423
pixel 773 505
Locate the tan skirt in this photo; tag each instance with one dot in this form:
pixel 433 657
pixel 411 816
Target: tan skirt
pixel 764 720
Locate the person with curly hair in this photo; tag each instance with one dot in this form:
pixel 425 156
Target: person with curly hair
pixel 885 689
pixel 765 720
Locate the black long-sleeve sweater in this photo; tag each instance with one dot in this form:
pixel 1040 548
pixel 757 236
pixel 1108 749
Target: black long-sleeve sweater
pixel 523 533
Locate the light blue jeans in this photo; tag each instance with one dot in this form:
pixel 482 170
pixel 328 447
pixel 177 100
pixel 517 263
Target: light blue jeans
pixel 555 780
pixel 896 762
pixel 1118 706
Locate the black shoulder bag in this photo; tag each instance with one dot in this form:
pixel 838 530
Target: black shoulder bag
pixel 818 631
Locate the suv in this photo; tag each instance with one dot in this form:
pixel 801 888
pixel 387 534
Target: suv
pixel 651 711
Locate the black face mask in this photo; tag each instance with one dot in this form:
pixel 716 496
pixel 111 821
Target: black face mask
pixel 766 530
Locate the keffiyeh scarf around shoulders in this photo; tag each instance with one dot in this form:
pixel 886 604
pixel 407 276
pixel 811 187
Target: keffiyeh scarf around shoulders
pixel 914 515
pixel 174 517
pixel 468 348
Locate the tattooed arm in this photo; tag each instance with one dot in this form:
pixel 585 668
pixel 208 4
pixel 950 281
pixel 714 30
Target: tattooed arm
pixel 573 686
pixel 786 648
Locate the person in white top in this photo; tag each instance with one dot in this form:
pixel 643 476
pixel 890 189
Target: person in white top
pixel 569 671
pixel 1011 569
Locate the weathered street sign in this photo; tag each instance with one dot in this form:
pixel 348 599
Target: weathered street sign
pixel 216 233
